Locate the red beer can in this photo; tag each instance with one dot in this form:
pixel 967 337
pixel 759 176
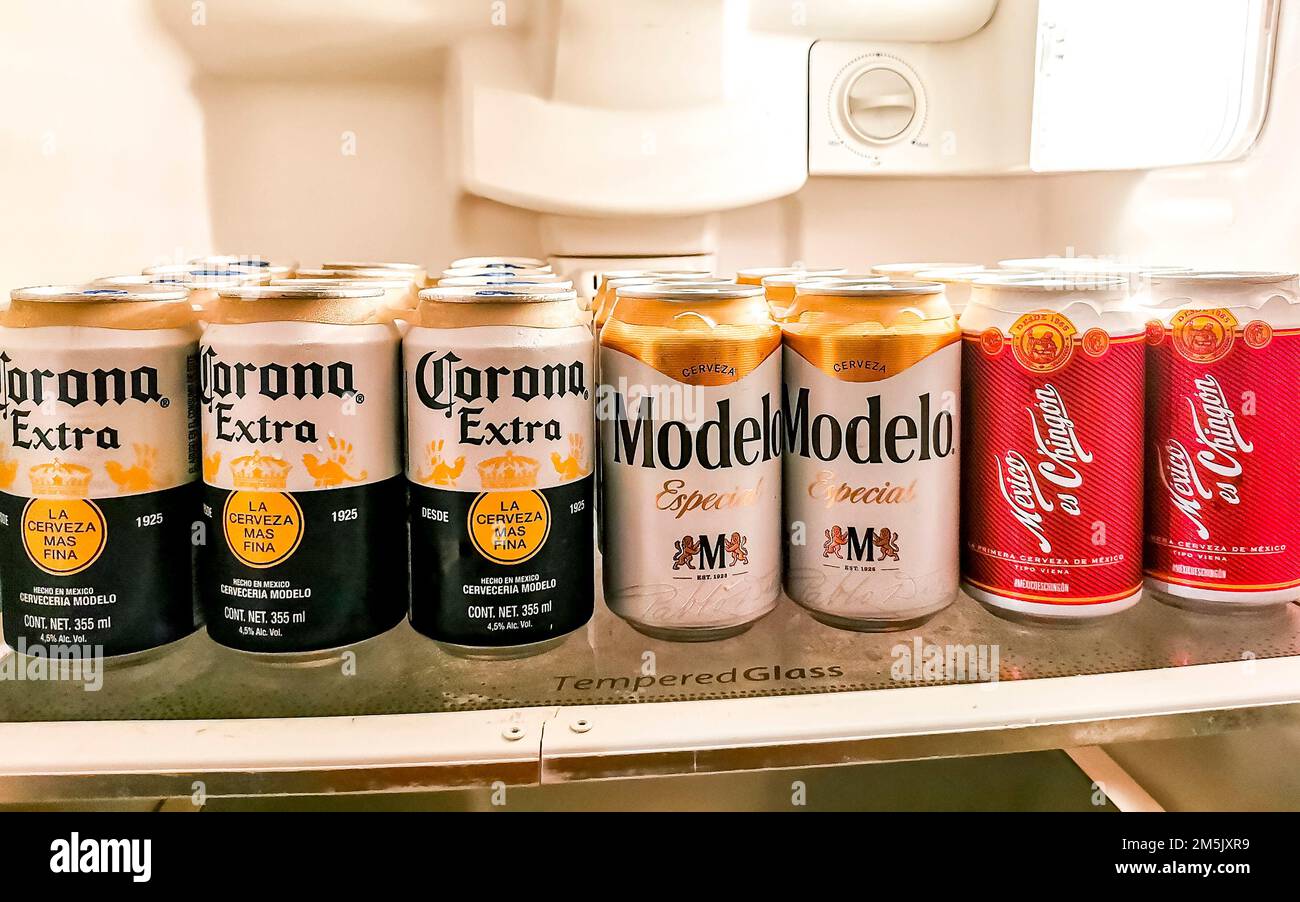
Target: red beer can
pixel 1223 447
pixel 1052 399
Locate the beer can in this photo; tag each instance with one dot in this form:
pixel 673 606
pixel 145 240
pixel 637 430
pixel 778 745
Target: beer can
pixel 691 434
pixel 910 270
pixel 364 269
pixel 1052 457
pixel 756 275
pixel 1223 364
pixel 607 293
pixel 514 263
pixel 497 272
pixel 957 282
pixel 1097 266
pixel 780 289
pixel 399 293
pixel 872 376
pixel 98 467
pixel 1136 274
pixel 305 547
pixel 131 281
pixel 254 262
pixel 205 284
pixel 499 395
pixel 605 281
pixel 505 278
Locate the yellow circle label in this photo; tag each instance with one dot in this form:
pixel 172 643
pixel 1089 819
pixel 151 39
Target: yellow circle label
pixel 1043 341
pixel 63 537
pixel 262 528
pixel 509 527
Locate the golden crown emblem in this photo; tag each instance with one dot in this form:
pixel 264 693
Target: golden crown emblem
pixel 59 479
pixel 508 472
pixel 254 471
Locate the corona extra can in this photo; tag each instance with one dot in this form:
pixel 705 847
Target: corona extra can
pixel 98 467
pixel 1223 450
pixel 872 401
pixel 1052 401
pixel 691 438
pixel 399 293
pixel 305 546
pixel 511 263
pixel 497 272
pixel 364 269
pixel 132 282
pixel 499 395
pixel 491 280
pixel 204 284
pixel 414 278
pixel 253 262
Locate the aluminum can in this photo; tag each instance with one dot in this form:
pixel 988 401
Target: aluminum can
pixel 872 377
pixel 1223 447
pixel 500 464
pixel 691 459
pixel 305 549
pixel 1052 412
pixel 99 466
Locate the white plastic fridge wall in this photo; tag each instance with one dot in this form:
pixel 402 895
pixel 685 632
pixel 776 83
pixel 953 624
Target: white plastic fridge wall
pixel 116 152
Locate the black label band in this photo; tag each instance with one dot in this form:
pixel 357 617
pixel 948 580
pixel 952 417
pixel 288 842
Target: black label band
pixel 114 572
pixel 306 571
pixel 501 568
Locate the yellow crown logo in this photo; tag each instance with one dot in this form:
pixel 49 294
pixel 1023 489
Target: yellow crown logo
pixel 508 472
pixel 254 471
pixel 60 480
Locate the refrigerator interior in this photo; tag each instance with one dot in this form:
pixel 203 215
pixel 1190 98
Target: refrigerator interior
pixel 153 131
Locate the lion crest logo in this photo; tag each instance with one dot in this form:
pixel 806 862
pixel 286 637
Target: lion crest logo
pixel 836 539
pixel 735 547
pixel 687 549
pixel 886 542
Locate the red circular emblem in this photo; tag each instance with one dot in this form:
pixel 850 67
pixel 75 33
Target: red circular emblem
pixel 1258 334
pixel 1096 342
pixel 1204 336
pixel 992 341
pixel 1155 332
pixel 1042 343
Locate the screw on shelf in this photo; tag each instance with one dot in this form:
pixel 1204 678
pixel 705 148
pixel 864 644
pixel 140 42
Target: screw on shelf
pixel 580 726
pixel 513 733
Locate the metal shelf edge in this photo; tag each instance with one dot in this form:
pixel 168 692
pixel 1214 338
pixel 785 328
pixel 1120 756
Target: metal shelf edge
pixel 918 722
pixel 526 746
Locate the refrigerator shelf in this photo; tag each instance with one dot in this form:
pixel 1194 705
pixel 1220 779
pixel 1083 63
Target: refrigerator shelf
pixel 397 713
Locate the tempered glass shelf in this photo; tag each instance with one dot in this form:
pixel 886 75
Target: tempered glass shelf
pixel 608 663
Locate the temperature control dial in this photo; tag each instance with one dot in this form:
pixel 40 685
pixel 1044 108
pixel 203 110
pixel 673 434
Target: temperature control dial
pixel 880 100
pixel 879 104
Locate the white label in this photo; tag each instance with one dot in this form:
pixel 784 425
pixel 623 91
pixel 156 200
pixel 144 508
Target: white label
pixel 691 495
pixel 871 489
pixel 89 412
pixel 299 406
pixel 499 406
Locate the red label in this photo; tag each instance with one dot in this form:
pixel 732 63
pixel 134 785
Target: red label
pixel 1052 466
pixel 1223 455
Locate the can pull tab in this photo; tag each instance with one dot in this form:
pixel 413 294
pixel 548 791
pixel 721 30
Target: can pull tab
pixel 708 321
